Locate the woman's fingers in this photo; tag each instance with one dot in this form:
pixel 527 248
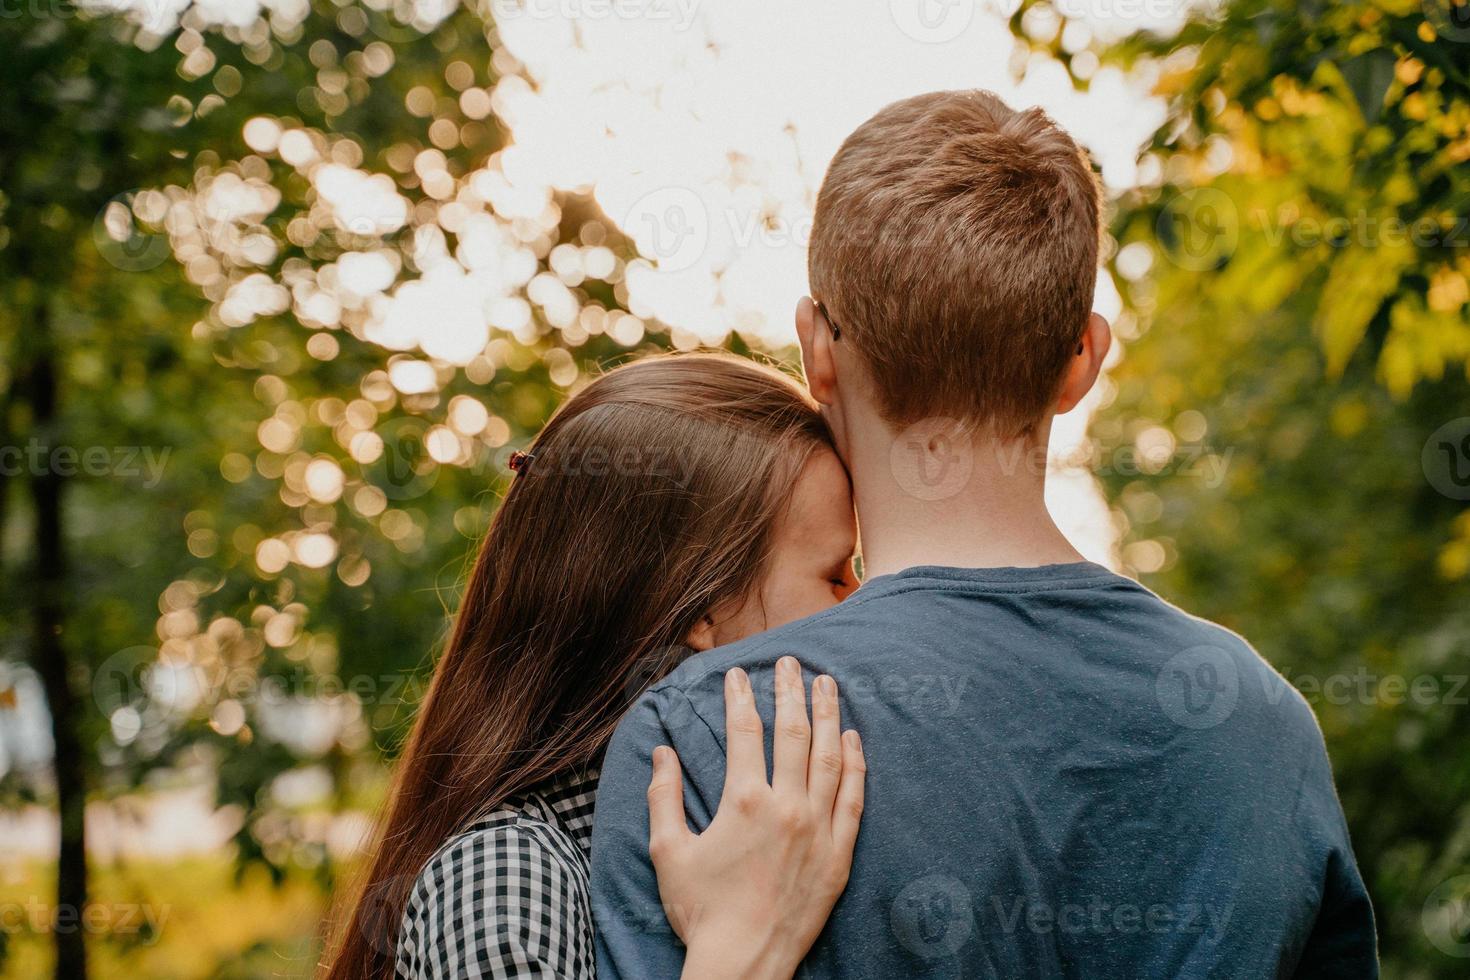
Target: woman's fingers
pixel 825 767
pixel 666 826
pixel 745 748
pixel 793 730
pixel 847 812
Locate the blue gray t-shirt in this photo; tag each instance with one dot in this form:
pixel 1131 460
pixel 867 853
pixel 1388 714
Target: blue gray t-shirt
pixel 1067 777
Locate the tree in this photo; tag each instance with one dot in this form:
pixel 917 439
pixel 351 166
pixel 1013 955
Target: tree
pixel 272 314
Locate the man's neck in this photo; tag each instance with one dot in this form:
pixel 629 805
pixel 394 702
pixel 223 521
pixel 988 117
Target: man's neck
pixel 930 497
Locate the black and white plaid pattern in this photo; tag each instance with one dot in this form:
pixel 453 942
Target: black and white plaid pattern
pixel 508 896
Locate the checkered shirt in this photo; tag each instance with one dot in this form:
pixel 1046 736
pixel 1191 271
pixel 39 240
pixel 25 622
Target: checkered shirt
pixel 508 895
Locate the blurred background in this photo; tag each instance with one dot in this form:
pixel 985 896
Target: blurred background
pixel 283 282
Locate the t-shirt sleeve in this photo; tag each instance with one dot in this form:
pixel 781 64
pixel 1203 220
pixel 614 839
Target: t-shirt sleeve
pixel 1343 941
pixel 633 938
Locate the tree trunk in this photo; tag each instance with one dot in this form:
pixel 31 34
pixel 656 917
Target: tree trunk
pixel 52 663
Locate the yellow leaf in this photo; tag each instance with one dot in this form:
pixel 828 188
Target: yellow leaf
pixel 1361 279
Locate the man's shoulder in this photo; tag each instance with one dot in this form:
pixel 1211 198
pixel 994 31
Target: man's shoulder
pixel 1207 675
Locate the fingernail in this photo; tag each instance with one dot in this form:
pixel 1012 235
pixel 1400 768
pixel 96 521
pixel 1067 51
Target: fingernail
pixel 853 740
pixel 827 686
pixel 737 680
pixel 789 665
pixel 661 756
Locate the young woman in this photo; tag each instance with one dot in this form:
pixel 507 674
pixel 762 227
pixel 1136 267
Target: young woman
pixel 674 504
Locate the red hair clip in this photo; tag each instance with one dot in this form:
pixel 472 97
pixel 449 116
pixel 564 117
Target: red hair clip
pixel 519 461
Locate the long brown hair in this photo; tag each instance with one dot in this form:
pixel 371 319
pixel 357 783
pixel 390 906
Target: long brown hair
pixel 649 499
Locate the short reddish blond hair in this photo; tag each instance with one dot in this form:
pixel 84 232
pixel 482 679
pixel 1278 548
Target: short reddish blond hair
pixel 955 243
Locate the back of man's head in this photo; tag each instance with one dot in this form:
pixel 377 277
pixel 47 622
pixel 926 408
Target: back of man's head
pixel 955 243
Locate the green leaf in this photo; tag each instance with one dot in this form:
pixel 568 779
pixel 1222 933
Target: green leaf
pixel 1369 76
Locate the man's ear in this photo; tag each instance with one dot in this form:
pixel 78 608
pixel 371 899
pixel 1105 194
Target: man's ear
pixel 1087 361
pixel 702 636
pixel 817 360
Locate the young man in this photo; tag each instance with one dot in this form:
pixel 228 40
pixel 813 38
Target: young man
pixel 1067 775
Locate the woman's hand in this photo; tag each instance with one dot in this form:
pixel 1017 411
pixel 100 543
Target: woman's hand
pixel 750 894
